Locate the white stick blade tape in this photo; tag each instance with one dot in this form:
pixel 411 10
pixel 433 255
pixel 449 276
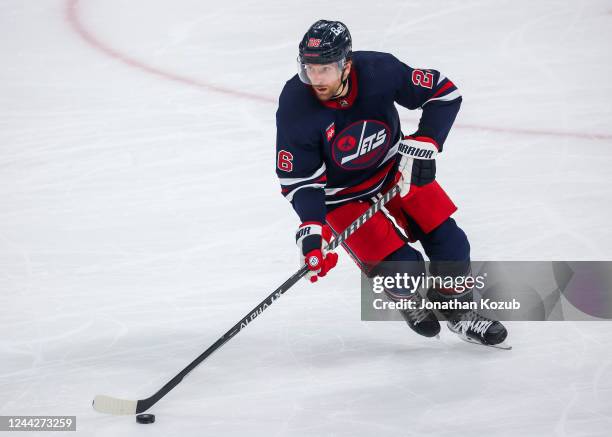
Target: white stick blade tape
pixel 109 405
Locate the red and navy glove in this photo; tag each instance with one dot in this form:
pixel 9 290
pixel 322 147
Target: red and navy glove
pixel 424 150
pixel 312 239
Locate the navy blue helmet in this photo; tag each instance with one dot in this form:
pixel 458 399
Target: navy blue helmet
pixel 325 42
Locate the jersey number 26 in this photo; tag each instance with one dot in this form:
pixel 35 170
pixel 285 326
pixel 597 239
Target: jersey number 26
pixel 422 78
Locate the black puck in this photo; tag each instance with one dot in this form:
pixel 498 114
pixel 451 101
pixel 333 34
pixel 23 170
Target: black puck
pixel 145 418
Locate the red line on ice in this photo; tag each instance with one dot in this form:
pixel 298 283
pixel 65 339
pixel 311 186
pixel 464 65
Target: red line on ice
pixel 72 15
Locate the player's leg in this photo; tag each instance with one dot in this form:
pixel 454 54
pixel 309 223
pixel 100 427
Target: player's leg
pixel 383 238
pixel 408 261
pixel 448 249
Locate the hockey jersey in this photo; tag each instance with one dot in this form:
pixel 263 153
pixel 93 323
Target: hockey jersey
pixel 346 149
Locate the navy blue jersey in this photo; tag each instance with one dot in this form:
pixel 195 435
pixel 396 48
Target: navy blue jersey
pixel 330 153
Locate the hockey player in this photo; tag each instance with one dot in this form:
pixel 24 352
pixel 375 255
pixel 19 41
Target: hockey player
pixel 339 146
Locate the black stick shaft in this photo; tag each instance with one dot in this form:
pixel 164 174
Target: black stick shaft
pixel 145 404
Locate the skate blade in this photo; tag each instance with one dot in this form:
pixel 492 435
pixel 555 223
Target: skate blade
pixel 503 345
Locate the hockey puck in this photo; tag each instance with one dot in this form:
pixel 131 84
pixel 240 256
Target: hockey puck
pixel 145 418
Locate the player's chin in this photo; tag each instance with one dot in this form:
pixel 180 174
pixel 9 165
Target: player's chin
pixel 323 93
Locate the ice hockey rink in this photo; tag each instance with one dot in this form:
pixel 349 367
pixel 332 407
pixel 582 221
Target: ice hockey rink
pixel 140 218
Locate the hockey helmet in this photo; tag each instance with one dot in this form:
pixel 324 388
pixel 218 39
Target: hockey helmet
pixel 325 42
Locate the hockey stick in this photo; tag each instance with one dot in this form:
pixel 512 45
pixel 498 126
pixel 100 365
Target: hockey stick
pixel 110 405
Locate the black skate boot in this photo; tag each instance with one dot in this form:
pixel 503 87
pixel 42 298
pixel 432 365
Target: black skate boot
pixel 467 323
pixel 421 321
pixel 474 328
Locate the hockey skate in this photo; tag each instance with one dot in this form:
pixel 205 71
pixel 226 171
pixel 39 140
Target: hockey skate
pixel 474 328
pixel 420 320
pixel 468 324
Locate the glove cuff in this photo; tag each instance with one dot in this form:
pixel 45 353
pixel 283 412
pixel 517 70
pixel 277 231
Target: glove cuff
pixel 418 147
pixel 309 236
pixel 312 235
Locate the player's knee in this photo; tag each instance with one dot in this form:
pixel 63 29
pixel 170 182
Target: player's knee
pixel 448 242
pixel 404 261
pixel 405 253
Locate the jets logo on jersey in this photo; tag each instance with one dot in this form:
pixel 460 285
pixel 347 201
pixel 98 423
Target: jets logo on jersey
pixel 361 144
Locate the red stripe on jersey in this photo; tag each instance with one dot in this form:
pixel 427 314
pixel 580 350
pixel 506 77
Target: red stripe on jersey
pixel 446 86
pixel 321 179
pixel 424 140
pixel 311 223
pixel 368 183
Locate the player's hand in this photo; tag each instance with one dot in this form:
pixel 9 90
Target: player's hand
pixel 312 238
pixel 422 171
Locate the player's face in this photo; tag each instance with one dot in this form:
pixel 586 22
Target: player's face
pixel 326 79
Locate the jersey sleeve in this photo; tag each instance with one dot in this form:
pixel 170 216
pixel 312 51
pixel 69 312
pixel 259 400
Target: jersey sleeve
pixel 432 92
pixel 301 172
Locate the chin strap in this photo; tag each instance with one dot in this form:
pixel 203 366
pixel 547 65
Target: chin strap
pixel 340 90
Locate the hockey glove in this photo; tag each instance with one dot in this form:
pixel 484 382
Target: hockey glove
pixel 421 172
pixel 312 238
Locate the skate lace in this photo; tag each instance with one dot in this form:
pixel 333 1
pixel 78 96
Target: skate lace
pixel 476 323
pixel 419 314
pixel 416 315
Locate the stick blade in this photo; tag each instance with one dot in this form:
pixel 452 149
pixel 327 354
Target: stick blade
pixel 115 406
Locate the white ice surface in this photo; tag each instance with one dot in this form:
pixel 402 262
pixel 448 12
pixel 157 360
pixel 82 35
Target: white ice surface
pixel 140 218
